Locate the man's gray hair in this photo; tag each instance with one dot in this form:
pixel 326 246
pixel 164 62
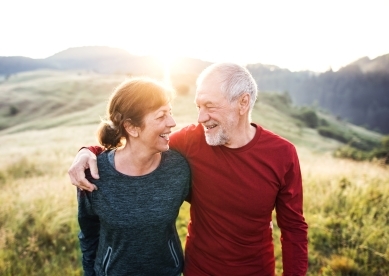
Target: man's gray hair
pixel 235 81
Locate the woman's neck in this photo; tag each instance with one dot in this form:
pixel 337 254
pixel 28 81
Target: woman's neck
pixel 134 162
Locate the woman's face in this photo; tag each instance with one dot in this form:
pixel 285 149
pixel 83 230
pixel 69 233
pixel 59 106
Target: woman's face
pixel 157 127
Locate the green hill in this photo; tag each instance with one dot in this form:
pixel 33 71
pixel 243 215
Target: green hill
pixel 358 92
pixel 48 98
pixel 42 99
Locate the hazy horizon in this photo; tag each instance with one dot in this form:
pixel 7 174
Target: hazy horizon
pixel 297 35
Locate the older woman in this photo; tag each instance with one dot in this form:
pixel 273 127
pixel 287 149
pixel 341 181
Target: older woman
pixel 128 223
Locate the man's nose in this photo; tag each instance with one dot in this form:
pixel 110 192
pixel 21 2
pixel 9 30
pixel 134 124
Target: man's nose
pixel 203 116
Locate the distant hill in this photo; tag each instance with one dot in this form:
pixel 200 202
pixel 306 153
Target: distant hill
pixel 358 92
pixel 44 99
pixel 12 65
pixel 95 58
pixel 100 59
pixel 105 60
pixel 43 96
pixel 366 65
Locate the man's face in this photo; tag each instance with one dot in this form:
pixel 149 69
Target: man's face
pixel 218 116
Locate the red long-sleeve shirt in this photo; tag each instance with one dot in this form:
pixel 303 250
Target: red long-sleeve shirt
pixel 234 192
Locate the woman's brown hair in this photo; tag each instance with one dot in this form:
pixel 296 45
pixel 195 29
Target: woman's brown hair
pixel 131 101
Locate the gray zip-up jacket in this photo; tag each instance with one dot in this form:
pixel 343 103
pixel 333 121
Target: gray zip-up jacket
pixel 128 224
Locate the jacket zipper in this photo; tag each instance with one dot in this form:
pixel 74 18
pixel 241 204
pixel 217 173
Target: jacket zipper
pixel 106 259
pixel 173 252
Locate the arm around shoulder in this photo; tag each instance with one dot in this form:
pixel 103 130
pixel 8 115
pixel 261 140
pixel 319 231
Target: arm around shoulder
pixel 85 159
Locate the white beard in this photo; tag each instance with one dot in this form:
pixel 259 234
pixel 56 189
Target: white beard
pixel 221 137
pixel 217 139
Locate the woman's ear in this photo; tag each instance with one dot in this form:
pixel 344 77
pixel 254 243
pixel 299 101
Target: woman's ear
pixel 244 103
pixel 131 129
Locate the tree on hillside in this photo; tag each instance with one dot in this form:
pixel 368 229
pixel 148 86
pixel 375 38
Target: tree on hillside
pixel 360 97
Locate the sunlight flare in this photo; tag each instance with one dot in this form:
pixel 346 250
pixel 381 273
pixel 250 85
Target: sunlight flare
pixel 167 58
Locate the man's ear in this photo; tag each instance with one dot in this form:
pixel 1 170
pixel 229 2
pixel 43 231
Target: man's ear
pixel 131 129
pixel 244 103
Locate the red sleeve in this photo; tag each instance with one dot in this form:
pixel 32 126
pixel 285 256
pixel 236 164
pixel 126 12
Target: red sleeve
pixel 178 140
pixel 95 149
pixel 174 140
pixel 290 219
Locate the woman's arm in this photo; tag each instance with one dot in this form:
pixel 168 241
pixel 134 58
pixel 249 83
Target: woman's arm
pixel 90 231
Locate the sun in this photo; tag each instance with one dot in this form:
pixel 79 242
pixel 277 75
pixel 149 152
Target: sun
pixel 166 55
pixel 167 58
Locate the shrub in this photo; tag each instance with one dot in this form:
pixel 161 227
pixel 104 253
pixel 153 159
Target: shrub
pixel 363 149
pixel 280 101
pixel 323 122
pixel 351 153
pixel 333 133
pixel 308 116
pixel 13 110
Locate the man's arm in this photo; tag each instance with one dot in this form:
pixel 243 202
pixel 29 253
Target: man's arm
pixel 85 159
pixel 290 219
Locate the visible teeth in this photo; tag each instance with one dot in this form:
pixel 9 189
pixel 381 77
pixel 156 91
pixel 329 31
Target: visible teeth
pixel 209 127
pixel 165 136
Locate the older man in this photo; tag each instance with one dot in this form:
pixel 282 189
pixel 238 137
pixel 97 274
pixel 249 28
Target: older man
pixel 240 173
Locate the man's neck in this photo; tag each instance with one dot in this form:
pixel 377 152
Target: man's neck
pixel 242 136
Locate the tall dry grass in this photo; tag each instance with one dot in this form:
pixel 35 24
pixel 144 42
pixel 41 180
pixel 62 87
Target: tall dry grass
pixel 345 207
pixel 38 208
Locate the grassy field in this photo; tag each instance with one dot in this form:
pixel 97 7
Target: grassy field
pixel 345 201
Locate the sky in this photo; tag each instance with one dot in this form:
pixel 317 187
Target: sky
pixel 298 35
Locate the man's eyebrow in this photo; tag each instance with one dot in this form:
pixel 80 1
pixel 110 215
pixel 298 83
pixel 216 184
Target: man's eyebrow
pixel 209 103
pixel 206 103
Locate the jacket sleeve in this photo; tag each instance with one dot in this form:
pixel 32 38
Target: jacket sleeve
pixel 290 219
pixel 90 231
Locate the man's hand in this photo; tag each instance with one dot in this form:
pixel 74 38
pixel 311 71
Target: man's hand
pixel 85 159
